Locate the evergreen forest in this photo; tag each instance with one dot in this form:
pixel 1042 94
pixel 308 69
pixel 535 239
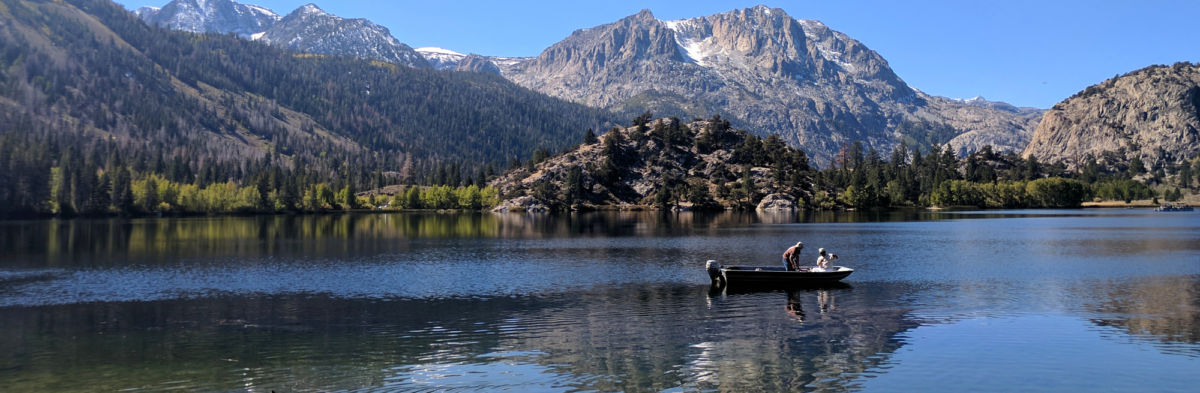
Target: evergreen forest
pixel 93 100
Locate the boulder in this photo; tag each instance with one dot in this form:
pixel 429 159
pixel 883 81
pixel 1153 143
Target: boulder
pixel 776 202
pixel 525 203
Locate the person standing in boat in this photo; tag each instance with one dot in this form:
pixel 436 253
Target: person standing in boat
pixel 791 257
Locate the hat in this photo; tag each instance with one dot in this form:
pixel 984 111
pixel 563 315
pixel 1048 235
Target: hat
pixel 821 250
pixel 799 244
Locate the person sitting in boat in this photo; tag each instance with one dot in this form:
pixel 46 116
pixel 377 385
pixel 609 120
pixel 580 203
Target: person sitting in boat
pixel 791 257
pixel 823 261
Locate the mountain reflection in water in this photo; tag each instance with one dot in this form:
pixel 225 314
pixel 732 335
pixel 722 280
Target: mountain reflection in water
pixel 599 302
pixel 632 339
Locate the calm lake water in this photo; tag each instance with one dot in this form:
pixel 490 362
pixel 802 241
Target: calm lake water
pixel 1072 300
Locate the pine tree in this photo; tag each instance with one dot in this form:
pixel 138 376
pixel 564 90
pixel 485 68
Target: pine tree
pixel 100 197
pixel 150 201
pixel 573 189
pixel 1136 167
pixel 751 191
pixel 122 194
pixel 1033 170
pixel 1185 176
pixel 539 155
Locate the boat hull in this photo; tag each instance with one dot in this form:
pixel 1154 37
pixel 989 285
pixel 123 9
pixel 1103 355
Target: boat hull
pixel 777 277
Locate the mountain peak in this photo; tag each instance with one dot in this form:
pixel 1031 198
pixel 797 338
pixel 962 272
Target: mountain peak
pixel 210 16
pixel 643 15
pixel 310 9
pixel 306 29
pixel 814 86
pixel 311 29
pixel 764 10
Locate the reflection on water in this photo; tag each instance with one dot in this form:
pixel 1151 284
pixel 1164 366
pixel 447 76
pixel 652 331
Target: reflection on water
pixel 600 302
pixel 65 243
pixel 1024 352
pixel 631 339
pixel 1163 309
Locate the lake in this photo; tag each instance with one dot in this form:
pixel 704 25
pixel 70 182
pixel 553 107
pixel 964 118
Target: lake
pixel 1039 300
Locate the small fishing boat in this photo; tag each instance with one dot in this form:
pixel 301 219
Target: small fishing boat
pixel 773 276
pixel 1173 207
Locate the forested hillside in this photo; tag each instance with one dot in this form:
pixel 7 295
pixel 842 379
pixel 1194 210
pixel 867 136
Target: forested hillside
pixel 705 164
pixel 88 91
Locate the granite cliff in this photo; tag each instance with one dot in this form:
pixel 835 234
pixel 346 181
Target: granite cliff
pixel 1152 114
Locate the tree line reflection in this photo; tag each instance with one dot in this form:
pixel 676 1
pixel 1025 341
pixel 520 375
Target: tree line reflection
pixel 61 243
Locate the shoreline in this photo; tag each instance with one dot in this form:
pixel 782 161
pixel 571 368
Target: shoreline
pixel 1142 204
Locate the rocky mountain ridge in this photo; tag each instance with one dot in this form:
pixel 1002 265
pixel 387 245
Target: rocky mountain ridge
pixel 767 71
pixel 306 29
pixel 204 16
pixel 311 29
pixel 445 59
pixel 1152 114
pixel 816 87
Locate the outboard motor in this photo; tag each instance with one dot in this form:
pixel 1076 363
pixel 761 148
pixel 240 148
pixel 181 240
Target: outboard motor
pixel 714 271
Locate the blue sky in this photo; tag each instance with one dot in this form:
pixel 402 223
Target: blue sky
pixel 1028 53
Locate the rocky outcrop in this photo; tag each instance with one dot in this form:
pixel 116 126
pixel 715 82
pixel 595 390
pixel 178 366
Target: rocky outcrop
pixel 776 202
pixel 664 164
pixel 816 87
pixel 526 204
pixel 1152 114
pixel 477 63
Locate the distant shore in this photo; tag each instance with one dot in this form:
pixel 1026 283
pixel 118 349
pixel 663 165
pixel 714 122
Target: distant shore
pixel 1189 199
pixel 1193 200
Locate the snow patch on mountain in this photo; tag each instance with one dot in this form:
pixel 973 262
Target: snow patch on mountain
pixel 146 12
pixel 441 58
pixel 310 29
pixel 210 16
pixel 261 10
pixel 825 38
pixel 436 50
pixel 973 100
pixel 310 9
pixel 692 43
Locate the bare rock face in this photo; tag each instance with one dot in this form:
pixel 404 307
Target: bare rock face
pixel 816 87
pixel 526 204
pixel 477 63
pixel 776 202
pixel 1152 113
